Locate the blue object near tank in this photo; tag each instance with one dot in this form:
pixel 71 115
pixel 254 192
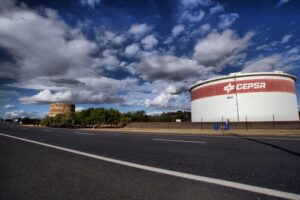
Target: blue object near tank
pixel 216 126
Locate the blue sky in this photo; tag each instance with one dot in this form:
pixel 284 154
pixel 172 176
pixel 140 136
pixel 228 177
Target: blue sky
pixel 136 54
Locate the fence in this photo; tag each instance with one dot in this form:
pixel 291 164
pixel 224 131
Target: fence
pixel 244 118
pixel 294 125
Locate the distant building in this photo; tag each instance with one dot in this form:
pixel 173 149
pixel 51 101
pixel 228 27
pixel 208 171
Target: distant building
pixel 61 108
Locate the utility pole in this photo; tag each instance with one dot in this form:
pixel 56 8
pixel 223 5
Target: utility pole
pixel 236 99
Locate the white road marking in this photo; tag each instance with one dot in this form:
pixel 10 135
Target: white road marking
pixel 183 141
pixel 225 183
pixel 235 137
pixel 267 138
pixel 84 133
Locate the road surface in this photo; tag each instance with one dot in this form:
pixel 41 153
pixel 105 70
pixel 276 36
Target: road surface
pixel 49 163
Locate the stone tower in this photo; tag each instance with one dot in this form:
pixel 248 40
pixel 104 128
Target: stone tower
pixel 61 108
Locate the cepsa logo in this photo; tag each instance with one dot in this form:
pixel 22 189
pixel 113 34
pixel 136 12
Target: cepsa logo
pixel 244 86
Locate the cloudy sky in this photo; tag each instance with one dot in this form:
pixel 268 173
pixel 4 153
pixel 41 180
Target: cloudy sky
pixel 136 54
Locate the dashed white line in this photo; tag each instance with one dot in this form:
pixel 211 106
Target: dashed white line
pixel 180 141
pixel 84 133
pixel 231 184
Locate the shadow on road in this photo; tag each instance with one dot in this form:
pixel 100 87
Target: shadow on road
pixel 271 145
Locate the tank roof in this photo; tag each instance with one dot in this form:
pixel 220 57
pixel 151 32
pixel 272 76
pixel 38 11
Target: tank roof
pixel 241 74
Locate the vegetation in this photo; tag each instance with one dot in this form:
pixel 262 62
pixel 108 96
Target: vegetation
pixel 101 117
pixel 28 120
pixel 25 120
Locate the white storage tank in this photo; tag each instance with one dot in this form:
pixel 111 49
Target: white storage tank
pixel 263 96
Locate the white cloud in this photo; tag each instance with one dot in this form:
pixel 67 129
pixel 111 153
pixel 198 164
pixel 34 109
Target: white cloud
pixel 7 4
pixel 172 97
pixel 286 38
pixel 193 11
pixel 48 96
pixel 64 66
pixel 132 50
pixel 279 61
pixel 264 64
pixel 154 113
pixel 119 39
pixel 220 49
pixel 14 114
pixel 269 46
pixel 5 93
pixel 22 114
pixel 262 47
pixel 163 99
pixel 168 40
pixel 160 101
pixel 92 90
pixel 91 3
pixel 149 42
pixel 204 28
pixel 216 9
pixel 281 2
pixel 227 20
pixel 9 106
pixel 68 96
pixel 78 109
pixel 194 3
pixel 177 30
pixel 169 67
pixel 106 38
pixel 56 59
pixel 139 29
pixel 88 89
pixel 108 60
pixel 51 49
pixel 146 92
pixel 114 38
pixel 193 16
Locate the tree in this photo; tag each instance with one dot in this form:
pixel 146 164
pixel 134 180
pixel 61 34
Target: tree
pixel 112 117
pixel 98 117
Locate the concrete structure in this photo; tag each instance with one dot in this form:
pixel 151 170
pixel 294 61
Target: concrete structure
pixel 263 96
pixel 61 108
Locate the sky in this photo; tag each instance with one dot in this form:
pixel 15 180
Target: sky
pixel 136 54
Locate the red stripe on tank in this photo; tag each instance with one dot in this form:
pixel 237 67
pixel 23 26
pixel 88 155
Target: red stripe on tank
pixel 244 86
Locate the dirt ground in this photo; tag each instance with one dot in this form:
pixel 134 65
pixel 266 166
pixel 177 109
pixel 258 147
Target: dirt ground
pixel 266 132
pixel 250 132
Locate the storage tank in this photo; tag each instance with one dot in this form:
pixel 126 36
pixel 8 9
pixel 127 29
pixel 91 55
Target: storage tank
pixel 61 108
pixel 263 96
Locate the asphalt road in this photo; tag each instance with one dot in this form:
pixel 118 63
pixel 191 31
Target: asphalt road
pixel 35 171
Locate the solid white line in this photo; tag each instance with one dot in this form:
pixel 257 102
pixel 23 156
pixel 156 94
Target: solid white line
pixel 265 138
pixel 235 137
pixel 184 141
pixel 231 184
